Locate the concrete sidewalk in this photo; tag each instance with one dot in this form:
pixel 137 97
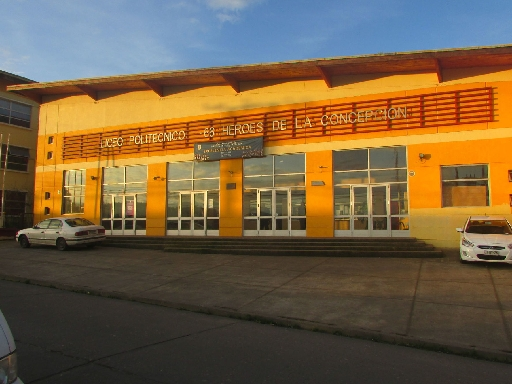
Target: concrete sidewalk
pixel 437 304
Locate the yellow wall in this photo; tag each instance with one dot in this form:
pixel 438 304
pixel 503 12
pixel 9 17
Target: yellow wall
pixel 231 216
pixel 432 222
pixel 80 112
pixel 156 200
pixel 319 198
pixel 487 143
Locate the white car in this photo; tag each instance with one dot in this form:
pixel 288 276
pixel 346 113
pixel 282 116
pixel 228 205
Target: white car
pixel 8 356
pixel 486 239
pixel 62 232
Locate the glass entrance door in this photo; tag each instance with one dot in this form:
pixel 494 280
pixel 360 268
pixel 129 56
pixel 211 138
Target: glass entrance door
pixel 120 214
pixel 193 213
pixel 363 211
pixel 274 212
pixel 380 219
pixel 360 212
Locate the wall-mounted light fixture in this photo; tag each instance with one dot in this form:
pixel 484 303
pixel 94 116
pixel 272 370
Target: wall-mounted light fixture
pixel 94 178
pixel 424 156
pixel 156 177
pixel 231 173
pixel 317 183
pixel 322 166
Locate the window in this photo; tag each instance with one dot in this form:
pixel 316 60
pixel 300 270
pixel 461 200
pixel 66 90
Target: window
pixel 49 155
pixel 275 171
pixel 354 169
pixel 47 195
pixel 55 224
pixel 182 179
pixel 14 203
pixel 15 113
pixel 17 158
pixel 124 193
pixel 74 191
pixel 465 186
pixel 78 222
pixel 193 176
pixel 50 140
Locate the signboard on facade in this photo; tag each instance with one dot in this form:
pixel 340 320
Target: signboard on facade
pixel 234 149
pixel 332 119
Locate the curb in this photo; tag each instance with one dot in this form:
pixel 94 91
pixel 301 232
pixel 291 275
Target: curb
pixel 358 333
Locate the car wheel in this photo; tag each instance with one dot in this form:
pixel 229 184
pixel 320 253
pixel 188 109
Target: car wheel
pixel 90 245
pixel 23 240
pixel 61 244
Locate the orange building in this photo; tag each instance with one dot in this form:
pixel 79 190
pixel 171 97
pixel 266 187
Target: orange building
pixel 402 144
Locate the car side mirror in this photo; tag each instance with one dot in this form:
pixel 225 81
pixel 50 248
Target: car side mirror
pixel 459 230
pixel 35 227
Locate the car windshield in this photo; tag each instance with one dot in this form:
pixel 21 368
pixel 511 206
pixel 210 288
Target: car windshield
pixel 488 227
pixel 78 222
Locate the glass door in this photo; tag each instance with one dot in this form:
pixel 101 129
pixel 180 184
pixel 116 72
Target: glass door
pixel 362 211
pixel 193 213
pixel 124 214
pixel 268 212
pixel 297 212
pixel 380 220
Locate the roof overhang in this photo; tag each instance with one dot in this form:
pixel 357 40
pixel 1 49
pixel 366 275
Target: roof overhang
pixel 11 78
pixel 322 69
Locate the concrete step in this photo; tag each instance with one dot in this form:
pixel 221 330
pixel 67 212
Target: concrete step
pixel 326 247
pixel 412 253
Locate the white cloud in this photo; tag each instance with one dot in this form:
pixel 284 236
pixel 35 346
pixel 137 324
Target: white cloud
pixel 230 5
pixel 229 10
pixel 227 17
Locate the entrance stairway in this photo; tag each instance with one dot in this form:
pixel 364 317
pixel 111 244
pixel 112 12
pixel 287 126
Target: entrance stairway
pixel 282 246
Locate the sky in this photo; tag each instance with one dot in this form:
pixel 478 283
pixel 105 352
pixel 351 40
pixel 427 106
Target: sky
pixel 50 40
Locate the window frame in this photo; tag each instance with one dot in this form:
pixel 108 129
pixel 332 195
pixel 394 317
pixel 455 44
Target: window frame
pixel 477 182
pixel 15 162
pixel 15 202
pixel 11 120
pixel 67 187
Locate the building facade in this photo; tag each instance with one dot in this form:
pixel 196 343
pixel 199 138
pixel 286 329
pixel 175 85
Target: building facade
pixel 388 145
pixel 19 118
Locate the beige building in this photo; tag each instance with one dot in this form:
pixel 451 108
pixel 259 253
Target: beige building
pixel 19 120
pixel 386 145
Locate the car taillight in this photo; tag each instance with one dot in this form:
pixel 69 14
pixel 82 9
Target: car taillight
pixel 82 233
pixel 101 231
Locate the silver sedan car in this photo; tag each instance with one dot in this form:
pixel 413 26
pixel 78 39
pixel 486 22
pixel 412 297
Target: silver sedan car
pixel 62 232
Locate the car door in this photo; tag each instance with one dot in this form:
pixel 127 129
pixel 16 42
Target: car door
pixel 36 234
pixel 53 231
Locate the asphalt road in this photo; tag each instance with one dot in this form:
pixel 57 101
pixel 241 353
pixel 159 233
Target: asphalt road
pixel 66 337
